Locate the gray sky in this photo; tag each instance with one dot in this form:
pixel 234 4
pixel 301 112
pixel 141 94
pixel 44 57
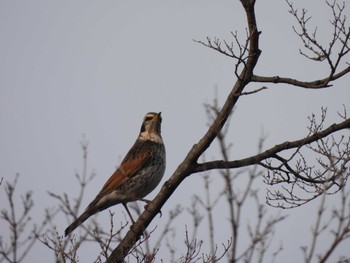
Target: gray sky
pixel 96 67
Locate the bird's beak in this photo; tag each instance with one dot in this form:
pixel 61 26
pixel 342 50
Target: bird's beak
pixel 158 116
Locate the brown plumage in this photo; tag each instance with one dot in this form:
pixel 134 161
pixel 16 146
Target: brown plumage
pixel 139 173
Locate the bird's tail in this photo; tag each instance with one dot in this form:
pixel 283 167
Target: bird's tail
pixel 79 221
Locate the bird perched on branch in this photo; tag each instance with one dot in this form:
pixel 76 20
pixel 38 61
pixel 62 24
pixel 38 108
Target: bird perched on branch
pixel 139 173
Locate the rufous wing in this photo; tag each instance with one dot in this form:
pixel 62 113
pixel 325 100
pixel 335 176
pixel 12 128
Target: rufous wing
pixel 127 169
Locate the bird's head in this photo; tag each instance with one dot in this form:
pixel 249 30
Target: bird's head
pixel 150 129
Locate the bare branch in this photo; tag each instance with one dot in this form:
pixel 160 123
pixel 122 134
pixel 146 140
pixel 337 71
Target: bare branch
pixel 257 159
pixel 316 84
pixel 19 222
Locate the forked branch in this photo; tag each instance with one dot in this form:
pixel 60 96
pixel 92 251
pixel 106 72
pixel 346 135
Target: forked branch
pixel 335 53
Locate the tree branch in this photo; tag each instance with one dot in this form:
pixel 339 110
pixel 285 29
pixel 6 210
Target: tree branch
pixel 256 159
pixel 185 168
pixel 316 84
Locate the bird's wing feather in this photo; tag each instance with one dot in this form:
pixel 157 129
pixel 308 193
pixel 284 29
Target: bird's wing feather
pixel 130 166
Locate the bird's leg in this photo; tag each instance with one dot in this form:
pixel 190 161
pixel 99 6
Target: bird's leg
pixel 127 210
pixel 132 220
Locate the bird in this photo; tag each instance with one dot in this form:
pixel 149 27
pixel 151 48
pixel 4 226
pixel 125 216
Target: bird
pixel 138 174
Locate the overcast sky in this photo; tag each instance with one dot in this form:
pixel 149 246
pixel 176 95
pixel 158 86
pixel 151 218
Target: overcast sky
pixel 70 69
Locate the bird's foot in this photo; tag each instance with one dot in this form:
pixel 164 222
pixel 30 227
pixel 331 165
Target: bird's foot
pixel 147 205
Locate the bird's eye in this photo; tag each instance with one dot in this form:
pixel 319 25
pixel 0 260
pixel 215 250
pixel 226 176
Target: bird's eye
pixel 148 118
